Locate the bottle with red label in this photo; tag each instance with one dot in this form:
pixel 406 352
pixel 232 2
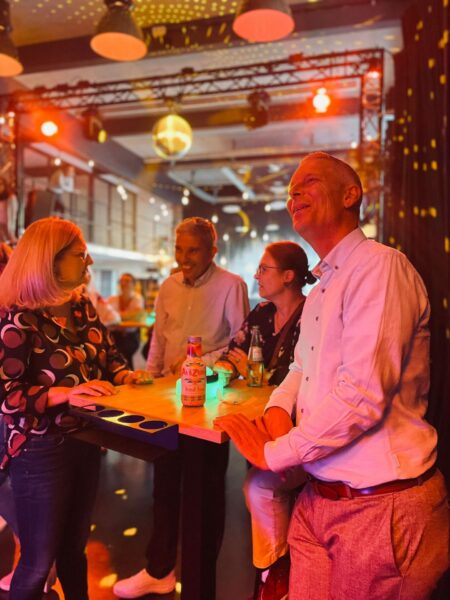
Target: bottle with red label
pixel 193 374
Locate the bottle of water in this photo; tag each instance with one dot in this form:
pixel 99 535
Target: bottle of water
pixel 255 364
pixel 193 374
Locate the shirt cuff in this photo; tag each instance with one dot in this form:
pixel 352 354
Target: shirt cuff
pixel 279 454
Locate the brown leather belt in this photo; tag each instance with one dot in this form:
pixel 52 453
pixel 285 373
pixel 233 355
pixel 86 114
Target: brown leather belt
pixel 337 490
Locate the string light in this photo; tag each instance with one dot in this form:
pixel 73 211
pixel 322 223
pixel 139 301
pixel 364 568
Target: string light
pixel 214 219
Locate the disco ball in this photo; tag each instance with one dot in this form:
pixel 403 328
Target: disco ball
pixel 172 137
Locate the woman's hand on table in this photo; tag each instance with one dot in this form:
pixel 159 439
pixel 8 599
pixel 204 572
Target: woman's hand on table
pixel 138 377
pixel 239 360
pixel 82 395
pixel 249 440
pixel 225 371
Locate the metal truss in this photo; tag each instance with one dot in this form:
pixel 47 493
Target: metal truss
pixel 188 84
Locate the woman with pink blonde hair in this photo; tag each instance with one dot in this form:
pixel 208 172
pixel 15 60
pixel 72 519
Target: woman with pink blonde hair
pixel 54 354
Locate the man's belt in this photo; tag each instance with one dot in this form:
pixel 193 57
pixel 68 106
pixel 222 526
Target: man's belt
pixel 338 490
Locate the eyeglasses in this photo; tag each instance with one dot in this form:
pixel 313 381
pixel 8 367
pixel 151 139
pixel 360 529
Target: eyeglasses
pixel 261 269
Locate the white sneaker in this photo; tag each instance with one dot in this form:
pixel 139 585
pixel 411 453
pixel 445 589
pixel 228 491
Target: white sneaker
pixel 5 582
pixel 142 583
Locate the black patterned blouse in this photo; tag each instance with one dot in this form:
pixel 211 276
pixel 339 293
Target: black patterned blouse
pixel 263 315
pixel 36 353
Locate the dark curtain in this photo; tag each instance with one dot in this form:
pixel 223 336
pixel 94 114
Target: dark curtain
pixel 417 203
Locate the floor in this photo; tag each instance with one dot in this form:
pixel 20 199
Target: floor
pixel 121 525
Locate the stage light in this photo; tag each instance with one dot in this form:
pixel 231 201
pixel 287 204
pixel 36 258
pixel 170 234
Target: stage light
pixel 10 65
pixel 374 71
pixel 172 137
pixel 118 37
pixel 263 20
pixel 321 101
pixel 93 126
pixel 49 128
pixel 185 200
pixel 258 111
pixel 214 219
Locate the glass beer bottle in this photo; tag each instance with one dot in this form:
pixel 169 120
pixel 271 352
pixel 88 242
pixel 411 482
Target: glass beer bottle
pixel 193 374
pixel 255 364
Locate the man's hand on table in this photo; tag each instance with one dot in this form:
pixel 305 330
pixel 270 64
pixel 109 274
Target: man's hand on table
pixel 249 439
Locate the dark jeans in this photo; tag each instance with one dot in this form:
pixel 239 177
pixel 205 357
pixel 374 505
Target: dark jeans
pixel 161 551
pixel 54 481
pixel 7 508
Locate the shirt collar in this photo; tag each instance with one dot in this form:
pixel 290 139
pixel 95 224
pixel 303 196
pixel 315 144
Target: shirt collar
pixel 203 278
pixel 337 256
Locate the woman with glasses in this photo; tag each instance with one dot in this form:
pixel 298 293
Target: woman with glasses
pixel 54 354
pixel 281 276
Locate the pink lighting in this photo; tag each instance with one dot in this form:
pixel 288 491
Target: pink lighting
pixel 263 20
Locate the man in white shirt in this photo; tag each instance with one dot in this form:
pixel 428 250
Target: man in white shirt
pixel 372 523
pixel 201 299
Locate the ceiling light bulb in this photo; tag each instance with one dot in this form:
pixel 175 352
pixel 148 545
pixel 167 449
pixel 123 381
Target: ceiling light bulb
pixel 49 128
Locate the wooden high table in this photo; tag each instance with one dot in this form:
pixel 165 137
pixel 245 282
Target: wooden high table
pixel 157 403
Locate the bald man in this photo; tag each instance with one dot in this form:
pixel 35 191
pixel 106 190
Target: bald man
pixel 372 523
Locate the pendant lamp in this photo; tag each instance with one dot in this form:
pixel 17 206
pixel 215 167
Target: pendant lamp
pixel 10 65
pixel 118 37
pixel 263 20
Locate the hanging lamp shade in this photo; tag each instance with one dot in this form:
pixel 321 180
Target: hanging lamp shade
pixel 172 137
pixel 263 20
pixel 118 37
pixel 10 65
